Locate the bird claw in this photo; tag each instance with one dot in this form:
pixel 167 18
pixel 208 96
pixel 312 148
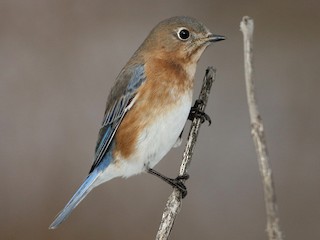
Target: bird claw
pixel 185 176
pixel 177 182
pixel 195 112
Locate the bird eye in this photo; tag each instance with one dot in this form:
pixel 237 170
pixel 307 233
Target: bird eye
pixel 183 34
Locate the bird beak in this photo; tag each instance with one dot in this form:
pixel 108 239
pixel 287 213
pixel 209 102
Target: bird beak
pixel 215 38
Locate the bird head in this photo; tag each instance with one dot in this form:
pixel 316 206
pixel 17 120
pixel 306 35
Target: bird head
pixel 179 38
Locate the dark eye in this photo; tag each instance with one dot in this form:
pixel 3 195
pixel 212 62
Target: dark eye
pixel 183 34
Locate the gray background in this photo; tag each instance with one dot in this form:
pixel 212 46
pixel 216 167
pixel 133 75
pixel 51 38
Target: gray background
pixel 58 60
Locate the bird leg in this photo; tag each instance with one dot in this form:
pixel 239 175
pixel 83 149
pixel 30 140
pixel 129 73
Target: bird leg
pixel 196 112
pixel 174 182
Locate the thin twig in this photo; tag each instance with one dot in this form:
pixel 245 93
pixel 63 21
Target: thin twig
pixel 174 202
pixel 258 135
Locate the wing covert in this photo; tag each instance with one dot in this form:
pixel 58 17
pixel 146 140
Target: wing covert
pixel 120 101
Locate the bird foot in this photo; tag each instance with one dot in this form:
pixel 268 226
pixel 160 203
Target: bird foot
pixel 195 112
pixel 177 182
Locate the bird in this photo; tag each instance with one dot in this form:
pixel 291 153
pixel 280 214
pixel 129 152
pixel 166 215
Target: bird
pixel 148 106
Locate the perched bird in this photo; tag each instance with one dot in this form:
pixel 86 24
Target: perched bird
pixel 148 106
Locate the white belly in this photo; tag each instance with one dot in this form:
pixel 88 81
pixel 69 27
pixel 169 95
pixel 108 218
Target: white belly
pixel 157 139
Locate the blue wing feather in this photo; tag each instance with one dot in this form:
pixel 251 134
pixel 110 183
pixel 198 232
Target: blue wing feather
pixel 125 89
pixel 128 82
pixel 81 193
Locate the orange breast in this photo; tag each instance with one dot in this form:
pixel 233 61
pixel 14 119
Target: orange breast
pixel 166 82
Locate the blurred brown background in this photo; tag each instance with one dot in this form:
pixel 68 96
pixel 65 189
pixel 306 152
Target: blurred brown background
pixel 58 60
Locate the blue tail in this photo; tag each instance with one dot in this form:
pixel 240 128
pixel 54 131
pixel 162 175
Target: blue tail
pixel 82 192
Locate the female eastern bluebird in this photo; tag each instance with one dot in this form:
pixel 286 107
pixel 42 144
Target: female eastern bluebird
pixel 148 106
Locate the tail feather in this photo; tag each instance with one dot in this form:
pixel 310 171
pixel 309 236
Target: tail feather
pixel 81 193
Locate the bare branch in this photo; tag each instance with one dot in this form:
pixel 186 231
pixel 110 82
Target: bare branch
pixel 174 202
pixel 258 135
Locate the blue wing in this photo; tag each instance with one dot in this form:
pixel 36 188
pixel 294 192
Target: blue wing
pixel 118 104
pixel 122 94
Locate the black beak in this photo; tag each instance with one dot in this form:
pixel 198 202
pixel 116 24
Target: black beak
pixel 215 38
